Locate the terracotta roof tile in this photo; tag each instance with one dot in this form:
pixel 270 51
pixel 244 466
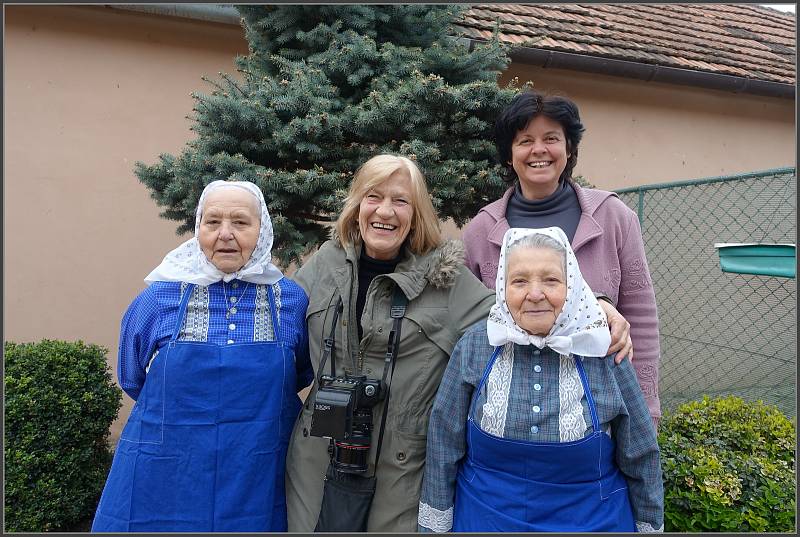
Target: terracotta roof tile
pixel 744 40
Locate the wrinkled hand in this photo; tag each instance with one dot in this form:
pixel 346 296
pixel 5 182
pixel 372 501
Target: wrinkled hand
pixel 620 333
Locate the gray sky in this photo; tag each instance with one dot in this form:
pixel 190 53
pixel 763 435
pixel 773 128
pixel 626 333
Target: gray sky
pixel 781 7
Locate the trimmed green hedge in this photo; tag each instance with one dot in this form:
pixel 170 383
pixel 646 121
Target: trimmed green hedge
pixel 60 400
pixel 728 466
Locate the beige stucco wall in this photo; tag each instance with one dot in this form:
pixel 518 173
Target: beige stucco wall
pixel 642 132
pixel 90 90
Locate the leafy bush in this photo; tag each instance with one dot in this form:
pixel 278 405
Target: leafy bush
pixel 728 466
pixel 60 400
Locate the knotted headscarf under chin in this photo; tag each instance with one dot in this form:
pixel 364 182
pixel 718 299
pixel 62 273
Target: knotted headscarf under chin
pixel 581 328
pixel 188 263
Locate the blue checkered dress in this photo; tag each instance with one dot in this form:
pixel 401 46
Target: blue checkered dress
pixel 220 313
pixel 533 415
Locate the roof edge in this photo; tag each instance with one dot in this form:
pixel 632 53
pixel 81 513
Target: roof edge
pixel 227 14
pixel 221 13
pixel 649 72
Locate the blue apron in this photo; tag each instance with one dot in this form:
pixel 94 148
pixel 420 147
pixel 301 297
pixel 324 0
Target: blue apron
pixel 521 486
pixel 205 445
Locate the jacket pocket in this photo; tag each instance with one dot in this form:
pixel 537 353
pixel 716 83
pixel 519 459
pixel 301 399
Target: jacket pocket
pixel 430 323
pixel 318 307
pixel 408 458
pixel 424 352
pixel 321 303
pixel 319 317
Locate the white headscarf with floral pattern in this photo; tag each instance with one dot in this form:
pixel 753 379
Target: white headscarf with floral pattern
pixel 188 263
pixel 581 328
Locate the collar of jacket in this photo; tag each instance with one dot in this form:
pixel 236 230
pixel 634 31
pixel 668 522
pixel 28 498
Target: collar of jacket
pixel 438 267
pixel 588 228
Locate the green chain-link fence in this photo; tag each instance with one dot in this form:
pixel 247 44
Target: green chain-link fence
pixel 721 333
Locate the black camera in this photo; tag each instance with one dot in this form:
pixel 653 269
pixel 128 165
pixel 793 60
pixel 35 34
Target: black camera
pixel 343 413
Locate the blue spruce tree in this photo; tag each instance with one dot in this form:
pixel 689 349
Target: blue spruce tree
pixel 323 89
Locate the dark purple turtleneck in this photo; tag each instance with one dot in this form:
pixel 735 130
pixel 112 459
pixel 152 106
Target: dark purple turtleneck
pixel 560 209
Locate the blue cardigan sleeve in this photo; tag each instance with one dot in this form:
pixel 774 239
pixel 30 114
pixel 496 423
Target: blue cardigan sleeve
pixel 303 367
pixel 637 450
pixel 447 442
pixel 293 309
pixel 138 340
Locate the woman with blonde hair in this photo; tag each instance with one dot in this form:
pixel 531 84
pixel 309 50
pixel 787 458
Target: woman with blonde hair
pixel 388 299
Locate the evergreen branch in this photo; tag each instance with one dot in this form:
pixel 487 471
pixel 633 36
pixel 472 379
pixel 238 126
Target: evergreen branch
pixel 233 83
pixel 326 87
pixel 213 82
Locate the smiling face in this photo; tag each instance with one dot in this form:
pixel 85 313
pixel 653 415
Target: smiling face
pixel 229 228
pixel 539 156
pixel 536 288
pixel 384 216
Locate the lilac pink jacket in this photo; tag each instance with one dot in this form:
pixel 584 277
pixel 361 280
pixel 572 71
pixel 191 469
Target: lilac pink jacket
pixel 610 251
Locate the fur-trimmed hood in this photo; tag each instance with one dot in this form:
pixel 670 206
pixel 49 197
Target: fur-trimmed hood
pixel 439 267
pixel 444 264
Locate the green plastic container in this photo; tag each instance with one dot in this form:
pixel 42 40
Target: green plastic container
pixel 761 259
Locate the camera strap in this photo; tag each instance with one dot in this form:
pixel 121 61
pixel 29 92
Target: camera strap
pixel 329 343
pixel 396 312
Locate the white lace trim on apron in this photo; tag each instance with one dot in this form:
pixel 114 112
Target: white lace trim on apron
pixel 646 527
pixel 571 423
pixel 435 519
pixel 498 385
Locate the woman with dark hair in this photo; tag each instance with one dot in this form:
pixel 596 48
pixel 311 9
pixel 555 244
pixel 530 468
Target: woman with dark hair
pixel 537 138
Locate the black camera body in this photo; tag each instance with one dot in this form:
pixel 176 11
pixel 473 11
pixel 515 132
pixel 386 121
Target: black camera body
pixel 343 413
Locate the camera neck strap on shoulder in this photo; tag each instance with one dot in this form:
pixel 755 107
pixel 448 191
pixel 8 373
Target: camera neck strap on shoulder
pixel 329 343
pixel 397 312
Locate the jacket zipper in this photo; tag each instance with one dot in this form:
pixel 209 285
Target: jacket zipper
pixel 372 286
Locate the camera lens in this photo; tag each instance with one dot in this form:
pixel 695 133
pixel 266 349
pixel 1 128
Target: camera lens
pixel 350 457
pixel 369 390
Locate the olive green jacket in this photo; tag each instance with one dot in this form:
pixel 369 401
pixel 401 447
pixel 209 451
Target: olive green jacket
pixel 444 299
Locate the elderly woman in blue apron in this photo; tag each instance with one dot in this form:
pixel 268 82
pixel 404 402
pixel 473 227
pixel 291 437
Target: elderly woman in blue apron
pixel 214 352
pixel 532 428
